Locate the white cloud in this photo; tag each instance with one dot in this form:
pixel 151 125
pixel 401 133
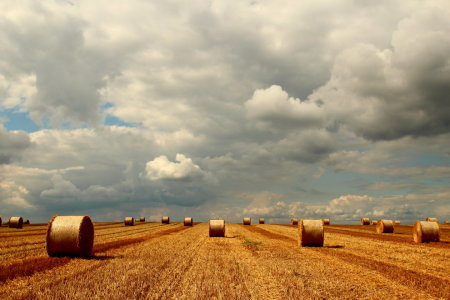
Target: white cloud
pixel 275 107
pixel 14 194
pixel 183 169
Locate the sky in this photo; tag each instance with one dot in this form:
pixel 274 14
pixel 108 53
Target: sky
pixel 225 109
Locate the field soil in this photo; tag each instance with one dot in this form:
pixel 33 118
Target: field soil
pixel 172 261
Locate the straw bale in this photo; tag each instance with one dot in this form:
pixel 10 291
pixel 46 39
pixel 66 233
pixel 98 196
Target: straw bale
pixel 373 222
pixel 216 228
pixel 365 221
pixel 310 233
pixel 0 221
pixel 424 232
pixel 261 221
pixel 26 221
pixel 294 221
pixel 326 221
pixel 142 219
pixel 432 220
pixel 15 222
pixel 129 221
pixel 247 221
pixel 188 221
pixel 385 226
pixel 70 236
pixel 397 222
pixel 165 220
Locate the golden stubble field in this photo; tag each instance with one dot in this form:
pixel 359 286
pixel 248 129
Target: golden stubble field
pixel 171 261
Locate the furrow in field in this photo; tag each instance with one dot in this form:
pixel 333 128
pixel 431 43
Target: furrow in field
pixel 33 265
pixel 437 286
pixel 108 276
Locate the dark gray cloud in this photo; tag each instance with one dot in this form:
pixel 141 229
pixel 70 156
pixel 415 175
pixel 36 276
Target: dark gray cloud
pixel 12 145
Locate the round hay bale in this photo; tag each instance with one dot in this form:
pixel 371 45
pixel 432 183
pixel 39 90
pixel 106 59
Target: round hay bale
pixel 0 221
pixel 165 220
pixel 261 221
pixel 365 221
pixel 129 221
pixel 432 220
pixel 326 221
pixel 26 222
pixel 70 236
pixel 216 228
pixel 142 219
pixel 310 233
pixel 188 221
pixel 247 221
pixel 397 222
pixel 294 221
pixel 424 232
pixel 15 222
pixel 385 226
pixel 373 222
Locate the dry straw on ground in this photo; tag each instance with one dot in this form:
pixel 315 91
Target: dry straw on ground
pixel 310 233
pixel 326 221
pixel 15 222
pixel 216 228
pixel 247 221
pixel 365 221
pixel 142 219
pixel 294 221
pixel 129 221
pixel 432 220
pixel 385 226
pixel 188 221
pixel 165 220
pixel 424 232
pixel 261 221
pixel 70 236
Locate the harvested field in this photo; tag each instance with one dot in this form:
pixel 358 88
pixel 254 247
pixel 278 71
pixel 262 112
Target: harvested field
pixel 263 261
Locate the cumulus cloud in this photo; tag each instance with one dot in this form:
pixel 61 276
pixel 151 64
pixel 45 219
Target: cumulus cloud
pixel 389 93
pixel 14 194
pixel 182 169
pixel 275 107
pixel 12 145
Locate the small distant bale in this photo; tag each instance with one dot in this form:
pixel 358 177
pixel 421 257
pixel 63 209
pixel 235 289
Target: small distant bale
pixel 294 221
pixel 26 222
pixel 129 221
pixel 432 220
pixel 385 226
pixel 216 228
pixel 365 221
pixel 142 219
pixel 445 222
pixel 262 220
pixel 165 220
pixel 326 221
pixel 397 222
pixel 310 233
pixel 247 221
pixel 15 222
pixel 70 236
pixel 424 232
pixel 0 221
pixel 373 222
pixel 188 221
